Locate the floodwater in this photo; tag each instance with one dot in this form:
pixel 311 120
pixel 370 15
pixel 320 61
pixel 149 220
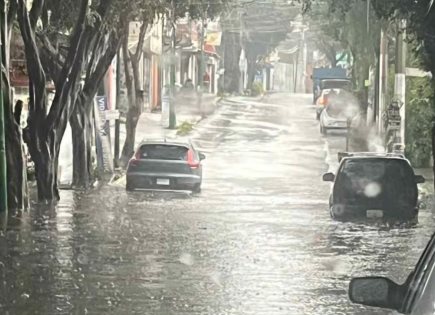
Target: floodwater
pixel 257 240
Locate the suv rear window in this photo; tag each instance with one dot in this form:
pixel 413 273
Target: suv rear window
pixel 395 176
pixel 336 85
pixel 162 152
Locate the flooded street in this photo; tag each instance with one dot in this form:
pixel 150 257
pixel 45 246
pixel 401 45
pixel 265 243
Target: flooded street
pixel 257 240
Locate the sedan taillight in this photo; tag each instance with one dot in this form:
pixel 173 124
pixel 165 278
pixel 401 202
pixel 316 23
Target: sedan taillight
pixel 133 162
pixel 191 160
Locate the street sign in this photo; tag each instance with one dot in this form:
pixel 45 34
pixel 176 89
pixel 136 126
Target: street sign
pixel 418 73
pixel 112 114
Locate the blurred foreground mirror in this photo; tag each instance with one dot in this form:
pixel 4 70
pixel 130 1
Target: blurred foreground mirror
pixel 422 205
pixel 374 291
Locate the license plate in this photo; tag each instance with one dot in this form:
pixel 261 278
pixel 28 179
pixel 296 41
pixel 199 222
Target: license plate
pixel 163 181
pixel 376 214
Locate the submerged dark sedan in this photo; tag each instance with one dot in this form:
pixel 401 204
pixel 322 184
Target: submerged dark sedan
pixel 374 185
pixel 165 165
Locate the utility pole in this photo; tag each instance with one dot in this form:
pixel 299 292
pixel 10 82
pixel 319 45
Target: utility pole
pixel 242 54
pixel 368 17
pixel 172 115
pixel 118 101
pixel 382 84
pixel 202 61
pixel 3 169
pixel 400 78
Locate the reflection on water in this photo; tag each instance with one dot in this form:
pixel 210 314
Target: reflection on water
pixel 258 240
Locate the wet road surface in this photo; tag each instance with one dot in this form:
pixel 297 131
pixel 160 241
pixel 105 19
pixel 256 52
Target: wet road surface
pixel 257 240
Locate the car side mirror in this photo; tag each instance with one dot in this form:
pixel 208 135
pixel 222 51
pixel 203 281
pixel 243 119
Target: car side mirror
pixel 419 179
pixel 328 177
pixel 376 292
pixel 422 205
pixel 201 156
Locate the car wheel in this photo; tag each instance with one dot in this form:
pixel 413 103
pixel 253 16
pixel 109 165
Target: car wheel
pixel 335 217
pixel 413 221
pixel 196 189
pixel 129 187
pixel 323 130
pixel 331 214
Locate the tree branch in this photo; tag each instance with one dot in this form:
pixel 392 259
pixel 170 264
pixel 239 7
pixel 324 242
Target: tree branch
pixel 97 45
pixel 51 58
pixel 103 7
pixel 12 12
pixel 76 41
pixel 70 74
pixel 128 79
pixel 142 33
pixel 35 12
pixel 36 72
pixel 90 88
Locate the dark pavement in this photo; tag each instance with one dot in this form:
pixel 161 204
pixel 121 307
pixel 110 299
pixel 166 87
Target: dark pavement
pixel 257 240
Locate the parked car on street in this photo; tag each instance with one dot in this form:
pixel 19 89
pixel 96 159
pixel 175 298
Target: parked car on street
pixel 332 117
pixel 165 165
pixel 374 186
pixel 326 78
pixel 328 96
pixel 339 108
pixel 321 102
pixel 414 297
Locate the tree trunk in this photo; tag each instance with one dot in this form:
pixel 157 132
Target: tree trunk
pixel 135 99
pixel 133 116
pixel 131 124
pixel 81 120
pixel 18 198
pixel 46 158
pixel 232 50
pixel 252 69
pixel 433 149
pixel 81 127
pixel 15 158
pixel 46 127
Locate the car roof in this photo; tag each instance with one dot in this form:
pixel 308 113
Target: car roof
pixel 164 141
pixel 369 155
pixel 363 159
pixel 328 90
pixel 348 80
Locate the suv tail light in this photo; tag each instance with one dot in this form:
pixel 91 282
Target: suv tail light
pixel 191 160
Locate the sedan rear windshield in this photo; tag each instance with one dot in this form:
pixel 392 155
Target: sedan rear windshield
pixel 163 152
pixel 337 107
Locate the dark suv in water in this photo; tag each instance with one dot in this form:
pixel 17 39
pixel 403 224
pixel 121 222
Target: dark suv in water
pixel 165 165
pixel 371 185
